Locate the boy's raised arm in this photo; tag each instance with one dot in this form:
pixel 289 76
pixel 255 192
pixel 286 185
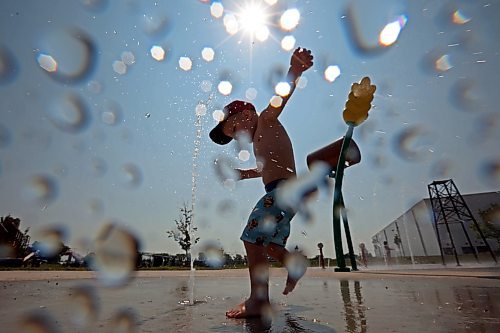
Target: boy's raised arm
pixel 301 61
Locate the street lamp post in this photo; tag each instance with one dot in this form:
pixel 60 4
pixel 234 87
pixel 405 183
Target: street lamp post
pixel 321 257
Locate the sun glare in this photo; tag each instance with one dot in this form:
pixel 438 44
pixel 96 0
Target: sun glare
pixel 252 18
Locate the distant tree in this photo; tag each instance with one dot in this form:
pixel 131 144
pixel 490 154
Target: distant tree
pixel 490 223
pixel 228 260
pixel 184 230
pixel 12 237
pixel 238 259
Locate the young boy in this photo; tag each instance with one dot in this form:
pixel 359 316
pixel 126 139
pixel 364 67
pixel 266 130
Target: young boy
pixel 268 225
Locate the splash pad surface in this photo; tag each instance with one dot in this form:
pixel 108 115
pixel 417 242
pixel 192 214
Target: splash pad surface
pixel 324 301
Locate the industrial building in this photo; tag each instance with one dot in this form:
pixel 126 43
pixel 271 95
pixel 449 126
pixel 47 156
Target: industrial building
pixel 414 232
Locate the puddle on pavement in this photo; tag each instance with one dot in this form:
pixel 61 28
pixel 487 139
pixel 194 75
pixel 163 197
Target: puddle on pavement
pixel 318 304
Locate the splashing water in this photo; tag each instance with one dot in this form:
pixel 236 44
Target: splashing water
pixel 194 177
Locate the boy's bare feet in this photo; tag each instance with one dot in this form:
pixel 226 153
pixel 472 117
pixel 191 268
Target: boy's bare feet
pixel 291 282
pixel 247 309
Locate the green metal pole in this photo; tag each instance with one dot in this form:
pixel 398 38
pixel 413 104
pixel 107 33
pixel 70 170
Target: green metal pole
pixel 337 203
pixel 347 231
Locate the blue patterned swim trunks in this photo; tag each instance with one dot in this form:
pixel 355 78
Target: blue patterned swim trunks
pixel 268 223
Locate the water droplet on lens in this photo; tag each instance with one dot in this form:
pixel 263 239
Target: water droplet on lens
pixel 262 274
pixel 185 63
pixel 201 109
pixel 262 33
pixel 95 87
pixel 244 155
pixel 116 251
pixel 490 172
pixel 124 321
pixel 216 9
pixel 266 319
pixel 459 17
pixel 282 89
pixel 156 24
pixel 8 66
pixel 231 24
pixel 332 73
pixel 213 255
pixel 226 208
pixel 42 189
pixel 69 113
pixel 302 82
pixel 50 241
pixel 296 264
pixel 128 58
pixel 47 62
pixel 288 43
pixel 96 207
pixel 133 175
pixel 370 33
pixel 440 169
pixel 443 63
pixel 268 225
pixel 5 136
pixel 225 88
pixel 38 322
pixel 73 51
pixel 94 5
pixel 290 19
pixel 119 67
pixel 390 32
pixel 251 94
pixel 464 94
pixel 85 306
pixel 218 115
pixel 294 193
pixel 276 101
pixel 111 113
pixel 206 85
pixel 207 54
pixel 99 167
pixel 157 52
pixel 412 143
pixel 225 171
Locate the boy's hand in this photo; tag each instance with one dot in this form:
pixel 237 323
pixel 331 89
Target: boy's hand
pixel 301 61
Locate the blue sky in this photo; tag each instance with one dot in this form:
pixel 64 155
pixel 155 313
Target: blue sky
pixel 87 145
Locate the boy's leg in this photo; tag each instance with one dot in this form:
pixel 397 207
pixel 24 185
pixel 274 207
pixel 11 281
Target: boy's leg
pixel 277 252
pixel 259 284
pixel 280 253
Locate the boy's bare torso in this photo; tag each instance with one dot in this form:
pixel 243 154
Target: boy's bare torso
pixel 273 150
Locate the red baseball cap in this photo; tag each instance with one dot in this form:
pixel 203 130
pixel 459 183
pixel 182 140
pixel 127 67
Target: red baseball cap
pixel 217 135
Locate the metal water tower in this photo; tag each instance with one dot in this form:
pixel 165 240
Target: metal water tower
pixel 449 207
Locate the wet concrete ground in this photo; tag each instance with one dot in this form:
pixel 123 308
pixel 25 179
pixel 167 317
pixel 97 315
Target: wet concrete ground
pixel 452 300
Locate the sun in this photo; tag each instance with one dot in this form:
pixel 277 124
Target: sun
pixel 251 17
pixel 253 20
